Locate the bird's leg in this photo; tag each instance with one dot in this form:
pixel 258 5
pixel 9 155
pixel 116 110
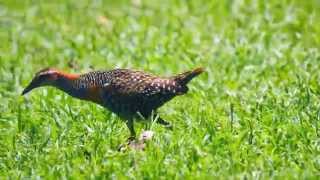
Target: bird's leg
pixel 163 122
pixel 132 139
pixel 130 126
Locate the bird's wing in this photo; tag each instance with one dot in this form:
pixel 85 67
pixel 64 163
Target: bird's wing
pixel 130 93
pixel 126 86
pixel 139 87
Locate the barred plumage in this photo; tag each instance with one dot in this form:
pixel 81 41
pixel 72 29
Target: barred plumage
pixel 127 93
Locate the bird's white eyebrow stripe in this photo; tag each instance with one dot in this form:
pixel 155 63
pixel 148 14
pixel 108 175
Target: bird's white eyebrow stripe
pixel 47 72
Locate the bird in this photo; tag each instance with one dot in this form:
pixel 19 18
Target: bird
pixel 130 94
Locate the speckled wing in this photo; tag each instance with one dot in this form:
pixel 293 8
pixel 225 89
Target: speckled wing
pixel 133 91
pixel 160 91
pixel 126 83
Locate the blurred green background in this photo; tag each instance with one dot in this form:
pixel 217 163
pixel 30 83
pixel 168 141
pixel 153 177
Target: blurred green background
pixel 255 113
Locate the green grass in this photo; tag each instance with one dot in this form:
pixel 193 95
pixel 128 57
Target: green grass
pixel 255 113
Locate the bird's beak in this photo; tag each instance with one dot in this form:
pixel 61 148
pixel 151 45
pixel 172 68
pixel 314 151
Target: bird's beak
pixel 34 84
pixel 26 90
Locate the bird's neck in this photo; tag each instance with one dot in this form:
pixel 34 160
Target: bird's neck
pixel 69 83
pixel 66 82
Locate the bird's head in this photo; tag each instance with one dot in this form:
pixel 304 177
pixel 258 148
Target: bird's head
pixel 45 77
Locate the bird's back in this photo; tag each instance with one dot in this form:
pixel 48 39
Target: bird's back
pixel 126 92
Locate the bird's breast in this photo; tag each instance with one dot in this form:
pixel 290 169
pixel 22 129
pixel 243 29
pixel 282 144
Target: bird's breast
pixel 93 94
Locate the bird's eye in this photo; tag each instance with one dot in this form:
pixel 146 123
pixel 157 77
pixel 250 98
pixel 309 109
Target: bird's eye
pixel 43 76
pixel 47 76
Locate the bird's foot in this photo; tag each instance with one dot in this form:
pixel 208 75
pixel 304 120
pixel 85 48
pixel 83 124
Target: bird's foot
pixel 165 123
pixel 130 140
pixel 137 144
pixel 169 126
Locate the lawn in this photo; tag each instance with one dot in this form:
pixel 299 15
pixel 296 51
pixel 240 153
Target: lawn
pixel 254 113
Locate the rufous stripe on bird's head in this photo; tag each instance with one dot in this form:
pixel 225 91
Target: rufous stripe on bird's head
pixel 51 71
pixel 70 76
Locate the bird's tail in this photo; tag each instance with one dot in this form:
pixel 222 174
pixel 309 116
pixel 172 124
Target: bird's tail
pixel 187 76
